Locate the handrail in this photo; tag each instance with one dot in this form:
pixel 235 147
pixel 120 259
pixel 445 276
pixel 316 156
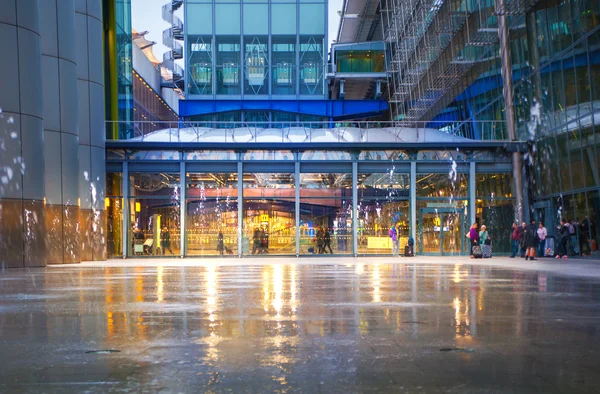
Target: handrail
pixel 318 131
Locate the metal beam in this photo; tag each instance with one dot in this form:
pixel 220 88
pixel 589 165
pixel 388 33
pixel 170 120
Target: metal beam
pixel 125 209
pixel 507 93
pixel 182 210
pixel 297 202
pixel 509 146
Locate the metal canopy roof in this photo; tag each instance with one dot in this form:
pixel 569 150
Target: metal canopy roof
pixel 359 21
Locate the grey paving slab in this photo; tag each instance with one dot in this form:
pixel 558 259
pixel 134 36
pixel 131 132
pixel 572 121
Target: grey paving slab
pixel 301 326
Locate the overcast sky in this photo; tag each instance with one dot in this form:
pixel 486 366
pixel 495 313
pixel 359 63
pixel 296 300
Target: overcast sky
pixel 147 16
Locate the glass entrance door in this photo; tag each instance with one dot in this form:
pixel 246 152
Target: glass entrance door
pixel 441 232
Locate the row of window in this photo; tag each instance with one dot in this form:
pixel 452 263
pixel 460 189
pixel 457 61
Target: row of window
pixel 233 19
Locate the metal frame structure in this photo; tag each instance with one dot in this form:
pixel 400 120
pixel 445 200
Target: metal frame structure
pixel 353 167
pixel 434 44
pixel 412 165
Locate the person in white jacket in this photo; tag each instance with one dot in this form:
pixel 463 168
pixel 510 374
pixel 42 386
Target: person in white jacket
pixel 542 233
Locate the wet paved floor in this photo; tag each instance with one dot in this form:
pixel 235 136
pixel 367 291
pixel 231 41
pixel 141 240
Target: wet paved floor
pixel 409 326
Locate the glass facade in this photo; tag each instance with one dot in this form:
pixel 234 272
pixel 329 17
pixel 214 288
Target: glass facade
pixel 124 66
pixel 308 202
pixel 255 48
pixel 360 58
pixel 556 65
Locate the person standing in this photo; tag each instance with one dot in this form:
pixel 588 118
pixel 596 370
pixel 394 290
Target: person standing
pixel 483 235
pixel 256 241
pixel 515 236
pixel 394 236
pixel 327 241
pixel 531 241
pixel 584 247
pixel 542 233
pixel 320 240
pixel 220 244
pixel 523 239
pixel 564 239
pixel 573 238
pixel 165 241
pixel 474 237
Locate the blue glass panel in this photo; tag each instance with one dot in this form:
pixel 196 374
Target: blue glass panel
pixel 199 19
pixel 312 19
pixel 256 19
pixel 227 19
pixel 283 19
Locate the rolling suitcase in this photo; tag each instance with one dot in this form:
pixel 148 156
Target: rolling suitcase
pixel 549 247
pixel 477 252
pixel 486 251
pixel 408 251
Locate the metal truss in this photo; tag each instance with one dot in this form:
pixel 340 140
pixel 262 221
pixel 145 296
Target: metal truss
pixel 436 44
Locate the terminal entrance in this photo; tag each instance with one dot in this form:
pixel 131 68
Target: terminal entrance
pixel 441 232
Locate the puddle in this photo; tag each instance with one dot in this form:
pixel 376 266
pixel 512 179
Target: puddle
pixel 457 350
pixel 103 351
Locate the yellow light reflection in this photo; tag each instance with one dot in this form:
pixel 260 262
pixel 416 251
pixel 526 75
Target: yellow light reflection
pixel 160 286
pixel 210 277
pixel 110 323
pixel 376 278
pixel 456 304
pixel 359 269
pixel 277 288
pixel 456 278
pixel 140 289
pixel 266 293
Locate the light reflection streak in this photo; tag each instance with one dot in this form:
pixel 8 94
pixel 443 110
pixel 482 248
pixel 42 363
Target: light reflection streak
pixel 277 288
pixel 359 269
pixel 266 293
pixel 160 286
pixel 456 278
pixel 376 283
pixel 293 289
pixel 210 279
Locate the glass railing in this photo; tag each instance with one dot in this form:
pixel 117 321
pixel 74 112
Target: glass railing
pixel 311 132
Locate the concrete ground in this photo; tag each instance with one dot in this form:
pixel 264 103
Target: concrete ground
pixel 331 325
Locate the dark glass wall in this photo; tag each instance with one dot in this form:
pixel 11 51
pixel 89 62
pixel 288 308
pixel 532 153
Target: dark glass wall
pixel 556 66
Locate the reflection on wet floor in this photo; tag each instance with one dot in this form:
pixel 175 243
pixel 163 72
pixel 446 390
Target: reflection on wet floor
pixel 298 328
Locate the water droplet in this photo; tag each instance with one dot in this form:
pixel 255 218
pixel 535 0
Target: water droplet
pixel 14 135
pixel 10 120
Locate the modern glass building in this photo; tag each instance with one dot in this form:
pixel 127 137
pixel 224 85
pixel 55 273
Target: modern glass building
pixel 531 66
pixel 259 61
pixel 268 190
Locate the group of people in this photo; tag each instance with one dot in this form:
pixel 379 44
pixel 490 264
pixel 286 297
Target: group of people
pixel 528 241
pixel 322 241
pixel 140 239
pixel 574 238
pixel 478 237
pixel 260 241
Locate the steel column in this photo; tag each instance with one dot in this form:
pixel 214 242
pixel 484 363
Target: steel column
pixel 182 210
pixel 355 207
pixel 297 202
pixel 413 199
pixel 507 93
pixel 240 186
pixel 472 196
pixel 125 208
